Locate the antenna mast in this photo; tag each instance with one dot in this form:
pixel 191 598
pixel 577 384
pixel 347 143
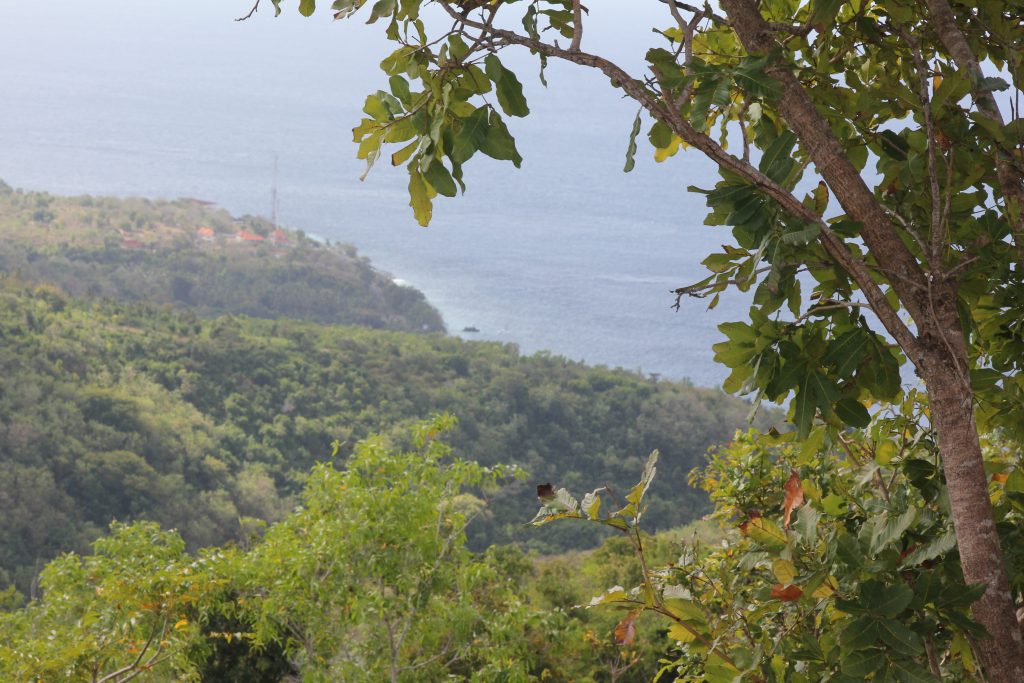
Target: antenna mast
pixel 273 196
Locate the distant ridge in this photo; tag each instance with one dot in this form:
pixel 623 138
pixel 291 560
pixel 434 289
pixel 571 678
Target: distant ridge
pixel 190 254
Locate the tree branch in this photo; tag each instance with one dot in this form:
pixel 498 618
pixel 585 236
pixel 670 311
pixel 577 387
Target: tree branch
pixel 832 163
pixel 671 117
pixel 705 13
pixel 577 26
pixel 1010 179
pixel 251 12
pixel 933 253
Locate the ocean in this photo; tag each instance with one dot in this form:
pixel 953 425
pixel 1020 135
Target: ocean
pixel 567 255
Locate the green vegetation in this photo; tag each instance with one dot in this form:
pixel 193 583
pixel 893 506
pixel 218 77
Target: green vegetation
pixel 131 411
pixel 369 580
pixel 189 254
pixel 836 561
pixel 915 262
pixel 816 565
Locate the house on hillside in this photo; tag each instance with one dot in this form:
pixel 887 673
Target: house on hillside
pixel 250 237
pixel 280 238
pixel 206 234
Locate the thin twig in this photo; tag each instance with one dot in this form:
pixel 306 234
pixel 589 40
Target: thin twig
pixel 705 13
pixel 933 255
pixel 251 12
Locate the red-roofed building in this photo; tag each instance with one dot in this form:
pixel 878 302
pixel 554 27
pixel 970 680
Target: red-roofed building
pixel 280 238
pixel 246 236
pixel 206 234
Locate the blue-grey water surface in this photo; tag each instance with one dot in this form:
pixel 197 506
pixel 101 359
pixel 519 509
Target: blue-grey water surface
pixel 568 254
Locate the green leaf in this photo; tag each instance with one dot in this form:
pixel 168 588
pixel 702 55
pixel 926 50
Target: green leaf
pixel 804 235
pixel 471 135
pixel 886 600
pixel 910 672
pixel 900 638
pixel 499 143
pixel 631 147
pixel 861 664
pixel 846 351
pixel 824 13
pixel 402 155
pixel 750 76
pixel 861 633
pixel 953 88
pixel 591 505
pixel 306 7
pixel 767 533
pixel 807 523
pixel 510 90
pixel 440 179
pixel 778 158
pixel 381 8
pixel 889 529
pixel 852 412
pixel 612 595
pixel 935 548
pixel 893 145
pixel 804 408
pixel 400 88
pixel 834 504
pixel 991 84
pixel 660 136
pixel 636 494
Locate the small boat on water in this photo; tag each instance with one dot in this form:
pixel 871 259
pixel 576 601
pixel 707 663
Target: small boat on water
pixel 470 329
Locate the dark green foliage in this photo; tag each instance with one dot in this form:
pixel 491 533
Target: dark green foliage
pixel 129 411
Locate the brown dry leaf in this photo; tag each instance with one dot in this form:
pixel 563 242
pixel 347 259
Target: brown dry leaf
pixel 787 593
pixel 794 496
pixel 1000 477
pixel 625 631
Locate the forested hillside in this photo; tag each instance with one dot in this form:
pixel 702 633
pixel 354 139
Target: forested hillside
pixel 368 580
pixel 128 411
pixel 191 254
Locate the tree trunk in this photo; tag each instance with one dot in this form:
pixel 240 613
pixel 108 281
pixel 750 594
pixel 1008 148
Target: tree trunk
pixel 951 402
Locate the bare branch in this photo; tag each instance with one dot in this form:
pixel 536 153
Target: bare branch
pixel 134 666
pixel 577 26
pixel 705 13
pixel 829 305
pixel 934 253
pixel 251 12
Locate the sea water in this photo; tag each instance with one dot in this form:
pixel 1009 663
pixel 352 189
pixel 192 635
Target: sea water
pixel 568 254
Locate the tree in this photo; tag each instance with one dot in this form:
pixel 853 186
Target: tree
pixel 370 580
pixel 107 618
pixel 928 248
pixel 835 572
